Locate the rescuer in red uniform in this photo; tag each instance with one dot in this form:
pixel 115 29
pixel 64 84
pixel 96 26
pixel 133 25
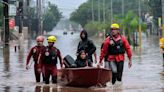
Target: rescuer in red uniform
pixel 114 48
pixel 49 60
pixel 36 53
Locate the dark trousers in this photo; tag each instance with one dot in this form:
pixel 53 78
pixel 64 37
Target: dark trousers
pixel 163 59
pixel 50 70
pixel 117 70
pixel 37 71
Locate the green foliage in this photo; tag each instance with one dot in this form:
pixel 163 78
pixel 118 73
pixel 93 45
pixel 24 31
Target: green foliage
pixel 51 17
pixel 83 14
pixel 143 27
pixel 130 21
pixel 1 14
pixel 134 23
pixel 94 27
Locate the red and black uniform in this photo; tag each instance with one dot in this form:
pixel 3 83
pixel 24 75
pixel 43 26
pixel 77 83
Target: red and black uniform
pixel 49 60
pixel 36 53
pixel 114 48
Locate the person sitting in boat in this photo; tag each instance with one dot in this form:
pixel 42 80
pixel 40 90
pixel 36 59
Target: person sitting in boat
pixel 82 60
pixel 87 45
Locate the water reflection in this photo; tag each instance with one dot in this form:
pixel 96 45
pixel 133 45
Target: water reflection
pixel 21 56
pixel 7 89
pixel 55 88
pixel 38 89
pixel 71 89
pixel 21 89
pixel 45 89
pixel 6 56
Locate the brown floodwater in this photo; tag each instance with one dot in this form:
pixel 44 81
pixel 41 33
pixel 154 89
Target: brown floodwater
pixel 146 74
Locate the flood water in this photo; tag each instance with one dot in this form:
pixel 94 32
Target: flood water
pixel 146 74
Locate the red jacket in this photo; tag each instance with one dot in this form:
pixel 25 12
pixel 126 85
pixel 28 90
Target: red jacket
pixel 118 57
pixel 34 51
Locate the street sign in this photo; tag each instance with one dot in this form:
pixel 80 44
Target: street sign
pixel 12 10
pixel 11 23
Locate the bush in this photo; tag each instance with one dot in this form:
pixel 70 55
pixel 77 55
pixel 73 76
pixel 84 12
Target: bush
pixel 95 27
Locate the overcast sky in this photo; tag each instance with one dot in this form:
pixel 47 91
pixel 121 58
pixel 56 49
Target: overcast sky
pixel 67 6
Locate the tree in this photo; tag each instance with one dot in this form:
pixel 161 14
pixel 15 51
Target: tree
pixel 51 17
pixel 83 14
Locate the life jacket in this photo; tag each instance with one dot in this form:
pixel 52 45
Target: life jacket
pixel 116 47
pixel 50 55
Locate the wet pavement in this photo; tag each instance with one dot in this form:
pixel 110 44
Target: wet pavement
pixel 146 74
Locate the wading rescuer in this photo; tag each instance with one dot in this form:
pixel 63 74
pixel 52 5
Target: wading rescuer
pixel 36 53
pixel 161 43
pixel 49 59
pixel 114 46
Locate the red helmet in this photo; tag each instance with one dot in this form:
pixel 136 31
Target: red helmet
pixel 40 39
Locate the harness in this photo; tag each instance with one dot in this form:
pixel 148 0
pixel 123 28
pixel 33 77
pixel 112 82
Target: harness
pixel 50 56
pixel 115 47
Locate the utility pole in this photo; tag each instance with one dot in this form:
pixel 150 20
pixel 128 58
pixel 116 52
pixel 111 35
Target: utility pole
pixel 6 21
pixel 162 18
pixel 139 19
pixel 92 12
pixel 99 11
pixel 29 19
pixel 39 17
pixel 123 8
pixel 123 11
pixel 20 13
pixel 20 10
pixel 104 11
pixel 111 11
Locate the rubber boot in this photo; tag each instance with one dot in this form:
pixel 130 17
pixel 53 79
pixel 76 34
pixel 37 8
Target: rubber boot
pixel 54 79
pixel 47 81
pixel 44 79
pixel 37 76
